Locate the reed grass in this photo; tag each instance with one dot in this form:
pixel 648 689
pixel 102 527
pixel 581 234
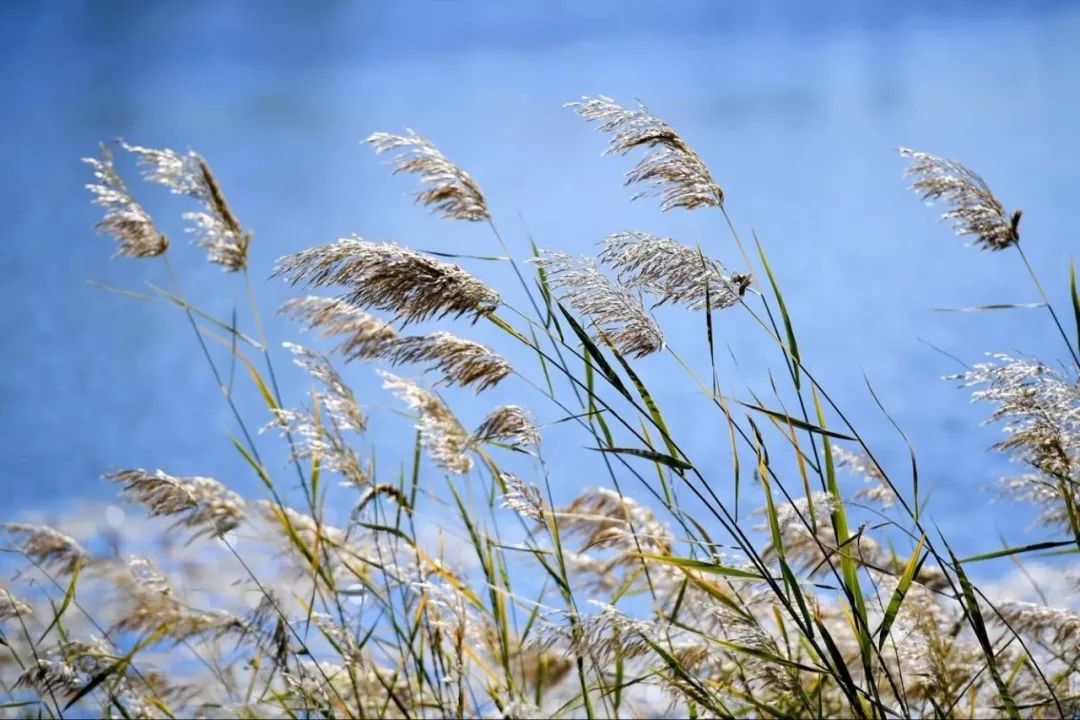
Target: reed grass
pixel 454 584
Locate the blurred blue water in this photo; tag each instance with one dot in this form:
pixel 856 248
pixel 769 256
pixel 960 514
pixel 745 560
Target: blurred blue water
pixel 796 110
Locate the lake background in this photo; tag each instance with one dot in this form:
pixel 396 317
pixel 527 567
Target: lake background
pixel 797 110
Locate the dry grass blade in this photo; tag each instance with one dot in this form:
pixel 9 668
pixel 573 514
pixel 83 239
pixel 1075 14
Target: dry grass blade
pixel 125 219
pixel 363 336
pixel 451 191
pixel 617 314
pixel 973 208
pixel 217 228
pixel 670 168
pixel 461 362
pixel 202 503
pixel 672 272
pixel 389 277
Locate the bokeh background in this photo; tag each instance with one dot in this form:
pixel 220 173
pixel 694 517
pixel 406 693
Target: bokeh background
pixel 797 107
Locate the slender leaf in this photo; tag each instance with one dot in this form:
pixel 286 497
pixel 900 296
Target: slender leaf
pixel 801 424
pixel 650 455
pixel 898 595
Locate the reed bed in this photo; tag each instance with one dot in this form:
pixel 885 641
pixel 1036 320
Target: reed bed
pixel 460 580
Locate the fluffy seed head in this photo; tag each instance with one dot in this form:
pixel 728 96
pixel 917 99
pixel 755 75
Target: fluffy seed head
pixel 1040 409
pixel 125 219
pixel 617 314
pixel 10 606
pixel 337 398
pixel 461 362
pixel 1060 625
pixel 450 190
pixel 973 209
pixel 523 498
pixel 510 423
pixel 320 431
pixel 153 608
pixel 440 432
pixel 606 519
pixel 48 676
pixel 48 546
pixel 670 168
pixel 216 227
pixel 363 336
pixel 389 277
pixel 672 272
pixel 202 504
pixel 861 464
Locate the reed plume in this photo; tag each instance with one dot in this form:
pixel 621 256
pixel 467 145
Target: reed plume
pixel 670 169
pixel 1040 409
pixel 672 272
pixel 202 504
pixel 337 397
pixel 617 314
pixel 318 432
pixel 509 423
pixel 11 606
pixel 973 208
pixel 363 336
pixel 125 219
pixel 461 362
pixel 154 609
pixel 606 519
pixel 859 463
pixel 441 433
pixel 389 277
pixel 450 190
pixel 1059 626
pixel 216 227
pixel 523 498
pixel 48 546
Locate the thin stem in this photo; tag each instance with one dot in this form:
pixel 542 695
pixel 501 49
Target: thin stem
pixel 1049 306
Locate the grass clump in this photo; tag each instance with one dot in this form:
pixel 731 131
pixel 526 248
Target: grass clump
pixel 456 585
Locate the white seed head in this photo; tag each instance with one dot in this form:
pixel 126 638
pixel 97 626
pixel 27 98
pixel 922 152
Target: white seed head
pixel 461 362
pixel 449 190
pixel 973 208
pixel 616 313
pixel 47 546
pixel 389 277
pixel 125 219
pixel 216 228
pixel 509 423
pixel 200 503
pixel 670 169
pixel 672 272
pixel 441 433
pixel 363 336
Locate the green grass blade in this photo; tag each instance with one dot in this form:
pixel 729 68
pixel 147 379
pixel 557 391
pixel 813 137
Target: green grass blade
pixel 69 596
pixel 700 565
pixel 649 455
pixel 801 424
pixel 1075 300
pixel 1005 552
pixel 793 347
pixel 974 615
pixel 902 588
